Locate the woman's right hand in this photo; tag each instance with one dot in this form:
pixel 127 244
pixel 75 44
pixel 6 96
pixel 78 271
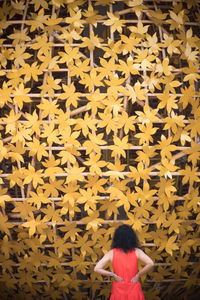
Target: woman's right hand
pixel 117 278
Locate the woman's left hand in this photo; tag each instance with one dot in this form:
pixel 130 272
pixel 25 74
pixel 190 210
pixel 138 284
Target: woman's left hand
pixel 135 278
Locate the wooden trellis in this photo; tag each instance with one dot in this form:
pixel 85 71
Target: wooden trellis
pixel 100 124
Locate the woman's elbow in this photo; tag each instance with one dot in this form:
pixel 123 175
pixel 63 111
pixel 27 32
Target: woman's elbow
pixel 152 264
pixel 95 269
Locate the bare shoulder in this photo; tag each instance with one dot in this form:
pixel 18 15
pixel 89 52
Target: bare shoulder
pixel 104 260
pixel 110 254
pixel 141 255
pixel 138 252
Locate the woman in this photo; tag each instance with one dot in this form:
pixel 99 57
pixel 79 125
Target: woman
pixel 124 257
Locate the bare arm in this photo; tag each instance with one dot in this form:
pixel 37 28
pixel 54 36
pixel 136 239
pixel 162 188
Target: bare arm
pixel 146 260
pixel 99 268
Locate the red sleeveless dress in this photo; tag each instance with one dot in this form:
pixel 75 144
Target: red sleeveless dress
pixel 125 266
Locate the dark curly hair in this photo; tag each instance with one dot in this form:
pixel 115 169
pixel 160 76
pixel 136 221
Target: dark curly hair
pixel 125 238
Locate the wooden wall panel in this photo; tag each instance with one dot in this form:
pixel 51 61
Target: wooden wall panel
pixel 100 125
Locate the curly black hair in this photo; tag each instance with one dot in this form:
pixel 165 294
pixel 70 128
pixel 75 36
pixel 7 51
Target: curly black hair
pixel 125 238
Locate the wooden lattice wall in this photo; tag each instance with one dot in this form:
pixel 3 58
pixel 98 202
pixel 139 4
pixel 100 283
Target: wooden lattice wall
pixel 100 125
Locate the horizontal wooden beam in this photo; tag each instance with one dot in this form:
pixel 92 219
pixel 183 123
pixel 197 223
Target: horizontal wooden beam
pixel 92 263
pixel 17 223
pixel 104 174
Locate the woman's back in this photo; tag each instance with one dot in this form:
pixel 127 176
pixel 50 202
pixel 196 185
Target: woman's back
pixel 125 265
